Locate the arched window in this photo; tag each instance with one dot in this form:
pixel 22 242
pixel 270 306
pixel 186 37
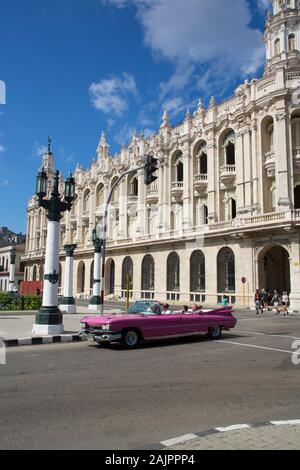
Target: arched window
pixel 115 194
pixel 177 168
pixel 112 277
pixel 203 163
pixel 179 171
pixel 197 272
pixel 292 42
pixel 277 46
pixel 134 187
pixel 226 271
pixel 231 209
pixel 203 214
pixel 86 201
pixel 270 137
pixel 81 277
pixel 127 273
pixel 296 133
pixel 173 273
pixel 230 153
pixel 148 273
pixel 100 195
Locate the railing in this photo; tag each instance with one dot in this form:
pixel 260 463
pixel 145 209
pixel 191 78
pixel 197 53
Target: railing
pixel 227 169
pixel 177 185
pixel 201 178
pixel 272 217
pixel 11 302
pixel 270 156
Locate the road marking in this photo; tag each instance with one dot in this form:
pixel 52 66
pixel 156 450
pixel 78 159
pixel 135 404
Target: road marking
pixel 254 346
pixel 235 427
pixel 282 423
pixel 179 440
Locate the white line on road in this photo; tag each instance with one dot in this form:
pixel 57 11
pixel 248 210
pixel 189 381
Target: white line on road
pixel 235 427
pixel 179 440
pixel 254 346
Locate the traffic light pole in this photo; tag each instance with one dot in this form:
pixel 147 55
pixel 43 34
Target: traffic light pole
pixel 105 232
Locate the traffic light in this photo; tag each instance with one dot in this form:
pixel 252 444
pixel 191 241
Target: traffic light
pixel 151 165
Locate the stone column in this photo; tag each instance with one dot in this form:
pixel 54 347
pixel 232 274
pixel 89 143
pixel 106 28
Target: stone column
pixel 12 269
pixel 281 155
pixel 211 181
pixel 141 204
pixel 186 190
pixel 255 167
pixel 239 165
pixel 68 302
pixel 247 171
pixel 167 196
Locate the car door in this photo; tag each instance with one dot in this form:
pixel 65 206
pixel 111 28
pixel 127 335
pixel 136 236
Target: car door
pixel 195 323
pixel 162 326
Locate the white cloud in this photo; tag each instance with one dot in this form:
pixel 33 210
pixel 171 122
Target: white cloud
pixel 111 96
pixel 2 148
pixel 214 35
pixel 39 150
pixel 124 134
pixel 4 182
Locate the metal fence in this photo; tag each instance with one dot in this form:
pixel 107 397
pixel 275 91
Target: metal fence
pixel 19 303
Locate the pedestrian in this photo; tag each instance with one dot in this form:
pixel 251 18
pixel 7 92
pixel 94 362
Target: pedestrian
pixel 166 310
pixel 275 301
pixel 265 299
pixel 258 302
pixel 285 302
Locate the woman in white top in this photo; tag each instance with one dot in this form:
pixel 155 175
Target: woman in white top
pixel 285 302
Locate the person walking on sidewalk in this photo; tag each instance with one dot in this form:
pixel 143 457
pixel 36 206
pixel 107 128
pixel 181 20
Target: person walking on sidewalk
pixel 285 302
pixel 265 299
pixel 258 302
pixel 275 301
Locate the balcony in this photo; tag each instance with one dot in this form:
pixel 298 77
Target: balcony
pixel 200 183
pixel 177 189
pixel 270 164
pixel 227 174
pixel 132 199
pixel 254 223
pixel 152 193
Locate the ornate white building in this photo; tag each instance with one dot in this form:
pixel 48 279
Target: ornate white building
pixel 226 203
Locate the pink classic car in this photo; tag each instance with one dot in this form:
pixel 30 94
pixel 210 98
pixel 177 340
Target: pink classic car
pixel 145 321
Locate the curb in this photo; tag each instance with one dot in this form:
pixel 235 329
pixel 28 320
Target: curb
pixel 236 427
pixel 9 343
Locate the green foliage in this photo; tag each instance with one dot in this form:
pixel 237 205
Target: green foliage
pixel 15 302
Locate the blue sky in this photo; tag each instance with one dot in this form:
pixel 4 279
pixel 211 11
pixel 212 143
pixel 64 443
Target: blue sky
pixel 73 68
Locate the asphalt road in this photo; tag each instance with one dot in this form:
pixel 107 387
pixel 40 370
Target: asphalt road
pixel 81 396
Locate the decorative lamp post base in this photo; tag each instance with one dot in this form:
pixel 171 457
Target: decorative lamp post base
pixel 48 320
pixel 68 305
pixel 95 303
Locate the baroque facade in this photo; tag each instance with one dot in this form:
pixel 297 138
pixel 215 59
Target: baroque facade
pixel 226 204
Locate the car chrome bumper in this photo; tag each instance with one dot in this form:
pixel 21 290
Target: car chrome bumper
pixel 101 337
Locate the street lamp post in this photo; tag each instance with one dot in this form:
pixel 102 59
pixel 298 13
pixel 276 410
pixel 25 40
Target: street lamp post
pixel 49 319
pixel 67 303
pixel 95 302
pixel 12 268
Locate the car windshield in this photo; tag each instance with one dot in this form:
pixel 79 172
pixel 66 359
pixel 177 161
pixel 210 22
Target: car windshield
pixel 146 308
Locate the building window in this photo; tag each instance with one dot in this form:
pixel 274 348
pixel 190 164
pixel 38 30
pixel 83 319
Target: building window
pixel 148 273
pixel 277 47
pixel 34 273
pixel 173 273
pixel 127 274
pixel 197 272
pixel 226 270
pixel 81 277
pixel 203 164
pixel 292 42
pixel 231 209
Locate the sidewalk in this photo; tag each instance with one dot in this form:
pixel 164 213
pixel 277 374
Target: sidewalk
pixel 268 436
pixel 16 325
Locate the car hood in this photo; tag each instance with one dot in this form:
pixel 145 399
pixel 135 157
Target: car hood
pixel 108 318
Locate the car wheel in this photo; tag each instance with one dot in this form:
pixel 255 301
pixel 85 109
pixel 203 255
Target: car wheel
pixel 215 333
pixel 130 339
